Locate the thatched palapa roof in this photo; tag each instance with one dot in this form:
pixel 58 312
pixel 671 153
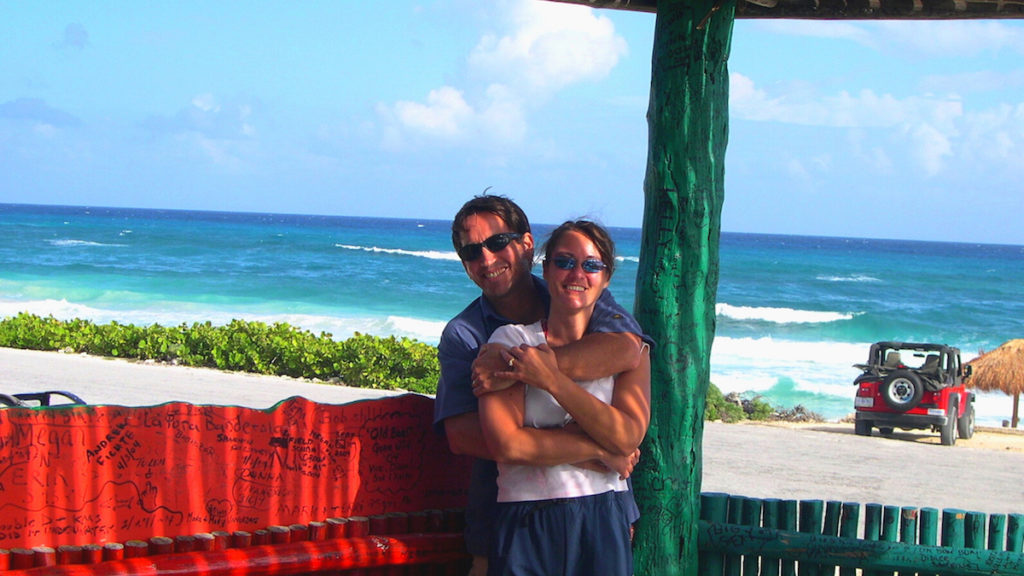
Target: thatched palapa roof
pixel 846 9
pixel 1001 369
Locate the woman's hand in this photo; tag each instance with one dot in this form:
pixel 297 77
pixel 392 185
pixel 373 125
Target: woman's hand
pixel 536 366
pixel 622 464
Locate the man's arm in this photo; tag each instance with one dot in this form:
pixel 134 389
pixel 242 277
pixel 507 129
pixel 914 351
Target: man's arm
pixel 464 437
pixel 599 354
pixel 594 356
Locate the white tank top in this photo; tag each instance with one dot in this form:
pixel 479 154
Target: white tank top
pixel 520 482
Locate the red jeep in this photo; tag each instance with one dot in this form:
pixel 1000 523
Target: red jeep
pixel 911 386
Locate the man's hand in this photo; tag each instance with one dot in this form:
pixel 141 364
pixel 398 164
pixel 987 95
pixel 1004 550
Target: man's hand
pixel 490 361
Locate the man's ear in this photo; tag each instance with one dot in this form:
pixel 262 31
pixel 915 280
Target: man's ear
pixel 528 243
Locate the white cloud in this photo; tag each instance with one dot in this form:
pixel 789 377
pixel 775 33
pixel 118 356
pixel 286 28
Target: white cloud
pixel 504 115
pixel 939 38
pixel 548 46
pixel 843 109
pixel 206 103
pixel 928 125
pixel 797 171
pixel 929 147
pixel 540 48
pixel 824 29
pixel 996 136
pixel 206 115
pixel 443 115
pixel 874 156
pixel 960 39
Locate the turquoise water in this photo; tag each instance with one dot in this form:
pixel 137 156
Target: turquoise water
pixel 794 313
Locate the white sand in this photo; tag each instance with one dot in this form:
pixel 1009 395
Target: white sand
pixel 825 461
pixel 108 381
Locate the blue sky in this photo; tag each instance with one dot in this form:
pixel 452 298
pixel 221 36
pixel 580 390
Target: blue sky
pixel 909 130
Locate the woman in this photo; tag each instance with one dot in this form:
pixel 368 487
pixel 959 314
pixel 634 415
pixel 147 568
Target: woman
pixel 558 513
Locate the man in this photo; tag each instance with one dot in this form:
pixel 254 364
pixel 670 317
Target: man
pixel 492 237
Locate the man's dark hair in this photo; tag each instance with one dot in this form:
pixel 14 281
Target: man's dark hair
pixel 509 212
pixel 595 232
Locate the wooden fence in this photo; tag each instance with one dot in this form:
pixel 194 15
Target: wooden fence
pixel 772 537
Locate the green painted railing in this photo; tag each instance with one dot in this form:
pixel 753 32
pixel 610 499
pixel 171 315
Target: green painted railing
pixel 771 537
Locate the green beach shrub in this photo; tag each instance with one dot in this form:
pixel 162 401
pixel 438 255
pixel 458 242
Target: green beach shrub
pixel 277 349
pixel 364 361
pixel 735 408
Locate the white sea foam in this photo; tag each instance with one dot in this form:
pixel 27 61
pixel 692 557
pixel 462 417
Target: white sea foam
pixel 850 278
pixel 779 315
pixel 340 326
pixel 60 309
pixel 428 331
pixel 431 254
pixel 70 242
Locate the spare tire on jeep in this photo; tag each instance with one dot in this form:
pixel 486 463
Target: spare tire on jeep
pixel 902 390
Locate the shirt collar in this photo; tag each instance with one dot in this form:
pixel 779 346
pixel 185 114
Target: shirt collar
pixel 491 316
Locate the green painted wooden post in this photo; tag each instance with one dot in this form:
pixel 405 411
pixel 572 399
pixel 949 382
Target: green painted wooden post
pixel 953 528
pixel 810 523
pixel 751 517
pixel 833 510
pixel 677 280
pixel 908 525
pixel 929 527
pixel 734 563
pixel 789 523
pixel 772 519
pixel 713 508
pixel 997 532
pixel 1015 532
pixel 848 529
pixel 830 527
pixel 872 528
pixel 890 523
pixel 974 536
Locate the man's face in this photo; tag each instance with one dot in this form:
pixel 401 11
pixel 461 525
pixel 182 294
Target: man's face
pixel 502 272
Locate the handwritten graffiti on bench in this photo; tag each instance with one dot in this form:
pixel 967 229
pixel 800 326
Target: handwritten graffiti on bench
pixel 96 474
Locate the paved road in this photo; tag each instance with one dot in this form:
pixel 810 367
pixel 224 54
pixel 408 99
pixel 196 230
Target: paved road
pixel 829 462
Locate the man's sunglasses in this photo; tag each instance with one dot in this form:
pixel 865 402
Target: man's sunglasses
pixel 496 243
pixel 590 265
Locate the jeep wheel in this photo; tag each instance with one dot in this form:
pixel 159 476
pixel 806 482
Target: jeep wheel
pixel 965 425
pixel 902 390
pixel 862 427
pixel 948 431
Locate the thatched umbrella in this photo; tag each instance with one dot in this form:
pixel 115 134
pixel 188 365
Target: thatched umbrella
pixel 1001 369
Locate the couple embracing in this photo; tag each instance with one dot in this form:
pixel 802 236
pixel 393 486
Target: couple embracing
pixel 546 383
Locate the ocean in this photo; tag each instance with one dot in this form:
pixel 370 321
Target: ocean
pixel 794 313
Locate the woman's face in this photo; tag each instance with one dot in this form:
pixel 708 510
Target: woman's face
pixel 575 288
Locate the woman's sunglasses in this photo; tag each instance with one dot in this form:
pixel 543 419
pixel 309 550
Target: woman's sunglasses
pixel 590 265
pixel 496 243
